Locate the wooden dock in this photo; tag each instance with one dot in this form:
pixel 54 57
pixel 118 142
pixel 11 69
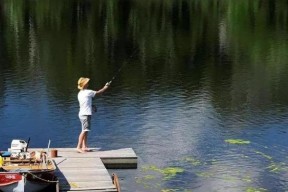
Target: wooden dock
pixel 88 171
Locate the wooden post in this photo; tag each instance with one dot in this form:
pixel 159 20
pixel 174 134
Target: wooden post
pixel 116 182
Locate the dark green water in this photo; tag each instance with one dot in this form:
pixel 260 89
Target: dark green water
pixel 194 74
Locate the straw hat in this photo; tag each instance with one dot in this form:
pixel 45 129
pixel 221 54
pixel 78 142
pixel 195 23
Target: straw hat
pixel 82 82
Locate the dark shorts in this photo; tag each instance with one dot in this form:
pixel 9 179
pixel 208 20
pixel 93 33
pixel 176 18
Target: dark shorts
pixel 85 122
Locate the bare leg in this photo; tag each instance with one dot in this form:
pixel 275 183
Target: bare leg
pixel 80 141
pixel 84 144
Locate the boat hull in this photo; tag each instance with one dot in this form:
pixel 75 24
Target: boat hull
pixel 26 181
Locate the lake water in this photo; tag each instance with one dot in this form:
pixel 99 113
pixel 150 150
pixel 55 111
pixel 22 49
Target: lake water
pixel 191 79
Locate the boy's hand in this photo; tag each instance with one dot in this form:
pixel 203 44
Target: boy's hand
pixel 108 84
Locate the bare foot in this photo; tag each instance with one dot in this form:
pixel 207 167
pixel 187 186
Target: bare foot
pixel 80 150
pixel 86 149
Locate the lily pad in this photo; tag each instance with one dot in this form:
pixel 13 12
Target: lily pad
pixel 251 189
pixel 168 172
pixel 237 141
pixel 193 161
pixel 264 155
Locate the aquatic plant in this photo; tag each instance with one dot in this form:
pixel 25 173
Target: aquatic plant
pixel 149 177
pixel 151 181
pixel 193 161
pixel 175 190
pixel 167 190
pixel 251 189
pixel 205 174
pixel 247 179
pixel 146 182
pixel 168 172
pixel 277 167
pixel 264 155
pixel 150 168
pixel 237 141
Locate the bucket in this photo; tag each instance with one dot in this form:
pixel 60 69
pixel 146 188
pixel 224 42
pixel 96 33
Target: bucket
pixel 54 153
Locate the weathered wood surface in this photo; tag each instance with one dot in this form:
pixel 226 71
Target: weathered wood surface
pixel 116 159
pixel 88 171
pixel 120 153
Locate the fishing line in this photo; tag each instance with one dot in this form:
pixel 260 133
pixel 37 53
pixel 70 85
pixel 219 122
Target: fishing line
pixel 122 66
pixel 116 74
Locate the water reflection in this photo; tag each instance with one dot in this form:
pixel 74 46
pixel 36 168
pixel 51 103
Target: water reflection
pixel 195 74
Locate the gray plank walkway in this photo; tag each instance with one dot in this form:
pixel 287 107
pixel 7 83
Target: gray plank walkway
pixel 87 172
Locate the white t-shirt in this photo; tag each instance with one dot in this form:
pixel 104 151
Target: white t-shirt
pixel 85 97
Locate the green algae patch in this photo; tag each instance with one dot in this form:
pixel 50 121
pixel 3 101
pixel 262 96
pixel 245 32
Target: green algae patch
pixel 149 177
pixel 145 178
pixel 168 172
pixel 175 190
pixel 264 155
pixel 237 141
pixel 171 172
pixel 147 182
pixel 277 167
pixel 153 175
pixel 251 189
pixel 193 161
pixel 247 179
pixel 151 168
pixel 167 190
pixel 205 174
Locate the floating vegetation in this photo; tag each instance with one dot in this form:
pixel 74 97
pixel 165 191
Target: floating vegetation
pixel 247 179
pixel 193 161
pixel 144 178
pixel 237 141
pixel 213 161
pixel 277 167
pixel 149 177
pixel 168 172
pixel 146 182
pixel 264 155
pixel 244 156
pixel 206 175
pixel 155 177
pixel 150 168
pixel 151 180
pixel 175 190
pixel 251 189
pixel 168 190
pixel 229 178
pixel 273 168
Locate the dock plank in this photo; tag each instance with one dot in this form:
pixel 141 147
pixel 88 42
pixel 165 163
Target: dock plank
pixel 68 152
pixel 86 169
pixel 87 178
pixel 87 172
pixel 86 185
pixel 72 164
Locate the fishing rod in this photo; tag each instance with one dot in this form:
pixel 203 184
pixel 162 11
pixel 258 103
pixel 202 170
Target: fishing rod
pixel 121 67
pixel 115 75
